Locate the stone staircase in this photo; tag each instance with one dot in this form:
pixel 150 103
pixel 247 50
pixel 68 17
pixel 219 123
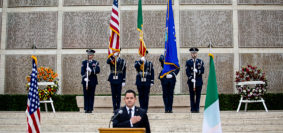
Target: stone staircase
pixel 74 122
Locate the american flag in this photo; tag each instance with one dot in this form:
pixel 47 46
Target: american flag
pixel 33 105
pixel 114 30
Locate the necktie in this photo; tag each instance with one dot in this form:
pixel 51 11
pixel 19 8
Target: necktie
pixel 130 113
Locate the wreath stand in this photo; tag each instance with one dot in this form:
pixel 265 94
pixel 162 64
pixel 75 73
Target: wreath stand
pixel 50 99
pixel 250 101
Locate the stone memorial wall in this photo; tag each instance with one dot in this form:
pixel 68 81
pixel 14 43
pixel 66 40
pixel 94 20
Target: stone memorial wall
pixel 242 32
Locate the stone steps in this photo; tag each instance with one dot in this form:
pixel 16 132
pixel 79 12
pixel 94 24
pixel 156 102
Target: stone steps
pixel 68 122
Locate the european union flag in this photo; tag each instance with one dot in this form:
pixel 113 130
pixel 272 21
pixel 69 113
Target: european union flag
pixel 171 61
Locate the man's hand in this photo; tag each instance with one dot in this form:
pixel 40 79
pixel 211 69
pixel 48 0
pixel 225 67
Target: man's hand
pixel 88 69
pixel 195 70
pixel 151 84
pixel 123 84
pixel 169 76
pixel 193 80
pixel 142 59
pixel 116 54
pixel 135 119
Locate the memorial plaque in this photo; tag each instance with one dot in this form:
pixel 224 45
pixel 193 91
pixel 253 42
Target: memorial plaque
pixel 262 28
pixel 145 2
pixel 86 29
pixel 32 3
pixel 87 2
pixel 153 29
pixel 260 2
pixel 224 2
pixel 198 28
pixel 24 30
pixel 18 67
pixel 271 64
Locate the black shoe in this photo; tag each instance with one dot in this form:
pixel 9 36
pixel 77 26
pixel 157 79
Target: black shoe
pixel 86 111
pixel 170 111
pixel 193 111
pixel 89 111
pixel 166 111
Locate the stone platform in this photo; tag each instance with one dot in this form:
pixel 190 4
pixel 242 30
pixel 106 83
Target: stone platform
pixel 75 122
pixel 104 104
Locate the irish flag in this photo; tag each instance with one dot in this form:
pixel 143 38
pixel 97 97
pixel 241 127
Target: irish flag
pixel 211 117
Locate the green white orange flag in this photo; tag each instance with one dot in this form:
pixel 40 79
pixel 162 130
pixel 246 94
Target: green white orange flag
pixel 142 48
pixel 211 117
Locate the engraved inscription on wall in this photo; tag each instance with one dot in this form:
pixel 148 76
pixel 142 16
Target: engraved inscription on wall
pixel 260 2
pixel 31 3
pixel 145 2
pixel 86 29
pixel 198 28
pixel 153 28
pixel 27 29
pixel 224 72
pixel 18 67
pixel 260 28
pixel 87 2
pixel 205 1
pixel 271 64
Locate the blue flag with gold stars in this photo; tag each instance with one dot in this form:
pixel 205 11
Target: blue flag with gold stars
pixel 171 62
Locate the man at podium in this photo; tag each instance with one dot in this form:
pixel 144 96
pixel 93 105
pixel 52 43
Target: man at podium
pixel 130 115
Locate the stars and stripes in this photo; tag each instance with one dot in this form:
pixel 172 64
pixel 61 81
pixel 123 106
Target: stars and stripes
pixel 33 105
pixel 114 45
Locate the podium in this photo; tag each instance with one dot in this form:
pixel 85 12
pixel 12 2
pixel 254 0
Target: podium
pixel 121 130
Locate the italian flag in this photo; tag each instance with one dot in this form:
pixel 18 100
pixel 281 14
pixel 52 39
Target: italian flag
pixel 211 117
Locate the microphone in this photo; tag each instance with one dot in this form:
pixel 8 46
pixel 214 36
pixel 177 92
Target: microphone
pixel 114 116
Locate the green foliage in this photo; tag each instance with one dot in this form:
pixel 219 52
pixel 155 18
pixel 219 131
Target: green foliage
pixel 68 102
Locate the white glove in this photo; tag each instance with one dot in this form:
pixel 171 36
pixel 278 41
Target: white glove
pixel 195 70
pixel 123 84
pixel 193 80
pixel 169 76
pixel 88 69
pixel 151 84
pixel 115 54
pixel 142 59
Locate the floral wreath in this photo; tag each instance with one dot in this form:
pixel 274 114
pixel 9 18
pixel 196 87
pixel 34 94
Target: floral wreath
pixel 46 74
pixel 251 73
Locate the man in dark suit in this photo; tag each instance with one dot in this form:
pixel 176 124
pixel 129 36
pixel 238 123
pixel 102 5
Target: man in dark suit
pixel 144 80
pixel 168 85
pixel 117 78
pixel 131 116
pixel 194 71
pixel 89 69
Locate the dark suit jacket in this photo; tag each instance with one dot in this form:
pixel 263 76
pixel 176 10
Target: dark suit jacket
pixel 123 120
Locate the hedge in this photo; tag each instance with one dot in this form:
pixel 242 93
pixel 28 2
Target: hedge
pixel 68 102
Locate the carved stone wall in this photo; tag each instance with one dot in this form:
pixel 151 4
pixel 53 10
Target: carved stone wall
pixel 27 29
pixel 271 64
pixel 153 28
pixel 87 2
pixel 224 72
pixel 260 2
pixel 145 2
pixel 205 1
pixel 18 67
pixel 198 28
pixel 86 29
pixel 32 3
pixel 260 28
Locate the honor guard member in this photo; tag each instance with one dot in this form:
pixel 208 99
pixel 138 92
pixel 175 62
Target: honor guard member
pixel 168 86
pixel 194 71
pixel 144 80
pixel 90 68
pixel 117 78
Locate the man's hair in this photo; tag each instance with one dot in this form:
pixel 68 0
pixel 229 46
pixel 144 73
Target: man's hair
pixel 130 91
